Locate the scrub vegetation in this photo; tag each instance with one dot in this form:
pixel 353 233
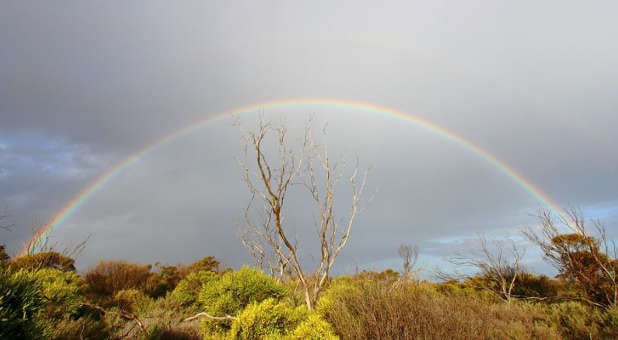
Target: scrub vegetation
pixel 42 296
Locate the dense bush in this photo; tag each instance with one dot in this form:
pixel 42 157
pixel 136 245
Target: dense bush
pixel 234 291
pixel 208 263
pixel 188 289
pixel 41 297
pixel 21 301
pixel 576 320
pixel 267 318
pixel 48 259
pixel 367 309
pixel 109 277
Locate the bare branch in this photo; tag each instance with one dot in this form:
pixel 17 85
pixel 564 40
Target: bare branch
pixel 208 316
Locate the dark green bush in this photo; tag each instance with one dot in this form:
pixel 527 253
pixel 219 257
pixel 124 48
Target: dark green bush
pixel 21 300
pixel 188 289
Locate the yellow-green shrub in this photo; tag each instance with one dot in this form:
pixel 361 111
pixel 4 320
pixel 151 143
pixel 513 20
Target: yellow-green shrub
pixel 62 290
pixel 315 328
pixel 188 289
pixel 234 291
pixel 267 318
pixel 130 299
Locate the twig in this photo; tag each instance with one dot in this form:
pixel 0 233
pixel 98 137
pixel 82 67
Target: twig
pixel 208 316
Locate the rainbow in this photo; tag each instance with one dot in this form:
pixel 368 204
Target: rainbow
pixel 100 182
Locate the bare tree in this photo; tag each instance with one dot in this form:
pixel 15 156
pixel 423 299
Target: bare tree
pixel 590 261
pixel 496 268
pixel 269 241
pixel 409 256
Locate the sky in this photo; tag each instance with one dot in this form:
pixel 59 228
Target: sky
pixel 84 85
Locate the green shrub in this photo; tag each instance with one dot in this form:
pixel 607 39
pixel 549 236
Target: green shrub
pixel 315 328
pixel 130 300
pixel 46 259
pixel 188 289
pixel 21 300
pixel 62 316
pixel 574 320
pixel 208 263
pixel 267 318
pixel 234 291
pixel 62 290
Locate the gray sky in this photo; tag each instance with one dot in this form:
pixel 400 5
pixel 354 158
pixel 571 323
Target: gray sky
pixel 86 84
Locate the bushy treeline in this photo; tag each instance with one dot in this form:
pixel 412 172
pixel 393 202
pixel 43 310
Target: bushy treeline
pixel 42 296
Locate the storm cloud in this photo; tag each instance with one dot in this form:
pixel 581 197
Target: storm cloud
pixel 83 85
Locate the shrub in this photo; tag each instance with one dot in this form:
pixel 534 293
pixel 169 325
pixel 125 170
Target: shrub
pixel 266 318
pixel 130 299
pixel 314 327
pixel 62 316
pixel 21 301
pixel 188 289
pixel 109 277
pixel 574 320
pixel 208 263
pixel 234 291
pixel 162 332
pixel 367 309
pixel 63 291
pixel 48 259
pixel 274 320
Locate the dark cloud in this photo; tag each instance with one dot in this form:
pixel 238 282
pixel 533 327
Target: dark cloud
pixel 84 85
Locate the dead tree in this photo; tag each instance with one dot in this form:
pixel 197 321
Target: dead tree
pixel 589 261
pixel 269 241
pixel 409 256
pixel 496 269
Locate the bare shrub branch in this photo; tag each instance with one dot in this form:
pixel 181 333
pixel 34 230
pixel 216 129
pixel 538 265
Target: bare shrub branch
pixel 497 268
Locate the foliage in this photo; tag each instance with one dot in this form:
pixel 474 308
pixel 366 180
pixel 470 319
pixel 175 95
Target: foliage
pixel 187 290
pixel 208 263
pixel 587 261
pixel 536 286
pixel 368 309
pixel 267 318
pixel 130 300
pixel 162 332
pixel 48 259
pixel 234 291
pixel 314 327
pixel 21 301
pixel 163 281
pixel 62 291
pixel 4 257
pixel 583 262
pixel 109 277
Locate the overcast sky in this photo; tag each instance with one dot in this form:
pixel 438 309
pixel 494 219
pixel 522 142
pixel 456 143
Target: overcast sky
pixel 83 85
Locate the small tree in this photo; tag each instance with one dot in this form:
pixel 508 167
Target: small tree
pixel 269 240
pixel 586 260
pixel 497 268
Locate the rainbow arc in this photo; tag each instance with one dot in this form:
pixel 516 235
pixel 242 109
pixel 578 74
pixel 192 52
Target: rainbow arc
pixel 104 179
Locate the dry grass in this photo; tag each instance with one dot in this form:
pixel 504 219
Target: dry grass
pixel 382 310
